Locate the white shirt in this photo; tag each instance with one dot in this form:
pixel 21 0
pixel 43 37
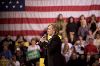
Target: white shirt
pixel 17 63
pixel 78 49
pixel 68 54
pixel 36 47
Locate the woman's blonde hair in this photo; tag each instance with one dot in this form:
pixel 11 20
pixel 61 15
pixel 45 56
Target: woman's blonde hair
pixel 54 26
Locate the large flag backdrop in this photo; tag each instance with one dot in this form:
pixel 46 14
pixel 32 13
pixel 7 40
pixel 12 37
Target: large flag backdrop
pixel 31 17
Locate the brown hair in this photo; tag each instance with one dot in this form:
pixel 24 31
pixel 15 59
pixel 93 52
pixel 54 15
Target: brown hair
pixel 55 28
pixel 34 39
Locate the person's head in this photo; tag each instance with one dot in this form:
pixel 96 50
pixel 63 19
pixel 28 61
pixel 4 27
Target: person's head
pixel 8 37
pixel 83 23
pixel 52 29
pixel 65 39
pixel 5 47
pixel 33 41
pixel 90 32
pixel 71 19
pixel 93 17
pixel 90 40
pixel 97 36
pixel 6 43
pixel 82 17
pixel 14 57
pixel 18 51
pixel 74 56
pixel 80 38
pixel 77 42
pixel 60 17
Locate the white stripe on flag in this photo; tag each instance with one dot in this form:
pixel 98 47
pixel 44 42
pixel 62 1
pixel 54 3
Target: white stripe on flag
pixel 48 14
pixel 17 27
pixel 61 2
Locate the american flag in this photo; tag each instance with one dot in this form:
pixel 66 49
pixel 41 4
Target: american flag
pixel 31 17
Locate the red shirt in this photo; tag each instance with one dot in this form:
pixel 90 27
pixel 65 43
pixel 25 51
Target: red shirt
pixel 90 48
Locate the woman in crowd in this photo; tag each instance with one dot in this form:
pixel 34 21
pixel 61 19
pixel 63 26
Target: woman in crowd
pixel 60 23
pixel 71 27
pixel 83 29
pixel 92 23
pixel 33 47
pixel 21 41
pixel 73 60
pixel 82 17
pixel 67 49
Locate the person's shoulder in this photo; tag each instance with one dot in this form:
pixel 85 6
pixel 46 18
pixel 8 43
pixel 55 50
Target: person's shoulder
pixel 55 37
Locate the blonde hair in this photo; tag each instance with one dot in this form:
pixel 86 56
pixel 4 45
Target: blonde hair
pixel 54 26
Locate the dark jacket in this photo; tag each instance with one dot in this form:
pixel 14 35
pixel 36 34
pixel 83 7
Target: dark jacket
pixel 54 52
pixel 71 27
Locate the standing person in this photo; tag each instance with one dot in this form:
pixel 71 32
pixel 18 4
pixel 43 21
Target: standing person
pixel 54 55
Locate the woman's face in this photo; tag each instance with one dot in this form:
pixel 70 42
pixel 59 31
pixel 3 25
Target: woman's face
pixel 98 36
pixel 33 42
pixel 67 46
pixel 50 30
pixel 93 17
pixel 82 17
pixel 20 38
pixel 60 16
pixel 80 38
pixel 66 40
pixel 90 32
pixel 71 20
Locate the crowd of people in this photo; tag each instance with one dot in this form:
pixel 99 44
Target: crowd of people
pixel 80 45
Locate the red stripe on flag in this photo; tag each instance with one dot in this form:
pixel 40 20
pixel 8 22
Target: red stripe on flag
pixel 62 8
pixel 31 20
pixel 22 32
pixel 26 20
